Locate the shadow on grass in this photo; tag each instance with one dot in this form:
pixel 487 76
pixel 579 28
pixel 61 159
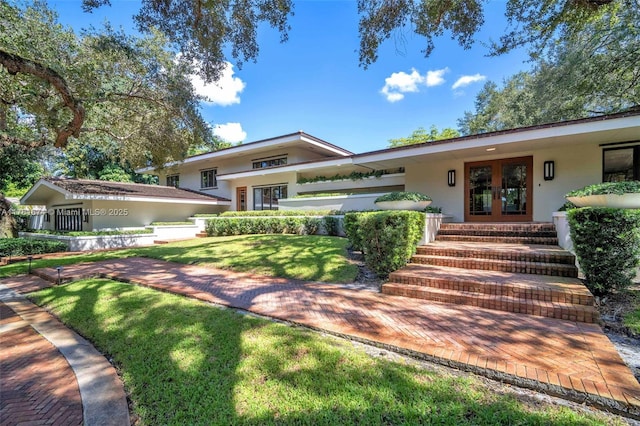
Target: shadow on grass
pixel 185 362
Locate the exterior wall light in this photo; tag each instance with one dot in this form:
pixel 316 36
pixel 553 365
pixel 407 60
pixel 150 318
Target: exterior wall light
pixel 549 170
pixel 451 178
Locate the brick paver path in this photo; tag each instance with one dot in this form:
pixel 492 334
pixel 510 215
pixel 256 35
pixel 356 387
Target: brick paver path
pixel 37 385
pixel 563 357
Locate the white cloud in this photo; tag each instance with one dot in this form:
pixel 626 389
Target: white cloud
pixel 225 91
pixel 400 82
pixel 230 132
pixel 435 78
pixel 466 80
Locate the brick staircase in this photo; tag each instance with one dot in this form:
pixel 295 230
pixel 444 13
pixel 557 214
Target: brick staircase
pixel 509 267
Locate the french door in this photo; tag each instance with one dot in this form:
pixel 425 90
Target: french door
pixel 241 198
pixel 499 190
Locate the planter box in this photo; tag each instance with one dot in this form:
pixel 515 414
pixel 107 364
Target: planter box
pixel 402 205
pixel 624 201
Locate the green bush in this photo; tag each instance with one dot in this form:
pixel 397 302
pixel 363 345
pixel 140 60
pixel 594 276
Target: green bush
pixel 403 196
pixel 351 225
pixel 607 243
pixel 27 246
pixel 258 213
pixel 22 221
pixel 262 225
pixel 331 225
pixel 617 188
pixel 388 238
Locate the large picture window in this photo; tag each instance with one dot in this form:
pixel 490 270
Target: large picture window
pixel 208 178
pixel 173 180
pixel 264 163
pixel 266 197
pixel 621 164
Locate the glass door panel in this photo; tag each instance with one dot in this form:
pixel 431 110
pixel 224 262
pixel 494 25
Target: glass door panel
pixel 480 190
pixel 514 189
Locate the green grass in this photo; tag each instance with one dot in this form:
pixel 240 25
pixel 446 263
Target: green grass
pixel 186 362
pixel 305 257
pixel 631 319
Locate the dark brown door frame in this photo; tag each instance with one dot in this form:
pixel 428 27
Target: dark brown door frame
pixel 497 186
pixel 239 198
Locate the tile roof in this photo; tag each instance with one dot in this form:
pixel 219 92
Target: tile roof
pixel 99 187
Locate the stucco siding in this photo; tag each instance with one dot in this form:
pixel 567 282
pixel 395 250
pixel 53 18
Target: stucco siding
pixel 123 214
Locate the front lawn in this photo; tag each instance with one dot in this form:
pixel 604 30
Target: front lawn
pixel 186 362
pixel 304 257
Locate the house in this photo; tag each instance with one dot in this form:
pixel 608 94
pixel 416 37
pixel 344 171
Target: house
pixel 517 175
pixel 81 205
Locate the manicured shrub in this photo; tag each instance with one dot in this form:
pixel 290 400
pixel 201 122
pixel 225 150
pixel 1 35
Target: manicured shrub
pixel 617 188
pixel 252 213
pixel 331 225
pixel 351 225
pixel 27 246
pixel 388 238
pixel 607 243
pixel 224 226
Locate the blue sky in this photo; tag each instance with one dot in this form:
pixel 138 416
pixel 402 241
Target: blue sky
pixel 313 82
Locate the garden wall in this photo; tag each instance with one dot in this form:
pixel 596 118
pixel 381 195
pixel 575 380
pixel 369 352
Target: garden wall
pixel 97 242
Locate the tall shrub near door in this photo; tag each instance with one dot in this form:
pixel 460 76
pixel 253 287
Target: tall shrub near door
pixel 607 243
pixel 389 238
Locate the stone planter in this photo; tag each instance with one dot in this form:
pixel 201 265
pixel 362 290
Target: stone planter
pixel 403 205
pixel 624 201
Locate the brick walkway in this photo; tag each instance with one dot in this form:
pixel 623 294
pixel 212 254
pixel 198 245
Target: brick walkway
pixel 37 384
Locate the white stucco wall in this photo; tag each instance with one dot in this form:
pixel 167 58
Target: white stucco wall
pixel 575 167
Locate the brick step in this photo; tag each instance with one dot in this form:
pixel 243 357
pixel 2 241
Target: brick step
pixel 497 233
pixel 202 235
pixel 500 239
pixel 554 269
pixel 558 310
pixel 508 227
pixel 524 286
pixel 515 252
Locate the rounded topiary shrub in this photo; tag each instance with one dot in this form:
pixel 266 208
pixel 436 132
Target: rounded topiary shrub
pixel 607 243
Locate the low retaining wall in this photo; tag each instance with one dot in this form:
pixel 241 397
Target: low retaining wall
pixel 337 202
pixel 174 231
pixel 96 242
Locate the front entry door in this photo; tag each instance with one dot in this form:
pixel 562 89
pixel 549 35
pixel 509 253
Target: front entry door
pixel 241 198
pixel 499 190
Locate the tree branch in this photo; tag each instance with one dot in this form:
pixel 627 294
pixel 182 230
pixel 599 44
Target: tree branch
pixel 16 64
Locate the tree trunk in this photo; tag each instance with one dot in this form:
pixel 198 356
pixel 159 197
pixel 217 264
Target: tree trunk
pixel 8 225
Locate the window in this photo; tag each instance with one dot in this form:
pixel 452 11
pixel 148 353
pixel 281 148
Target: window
pixel 269 162
pixel 208 178
pixel 621 164
pixel 266 197
pixel 173 180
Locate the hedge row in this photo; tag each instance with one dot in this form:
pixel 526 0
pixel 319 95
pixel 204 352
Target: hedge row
pixel 26 246
pixel 388 239
pixel 262 225
pixel 607 243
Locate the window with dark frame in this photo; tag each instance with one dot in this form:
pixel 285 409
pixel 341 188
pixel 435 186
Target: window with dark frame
pixel 621 164
pixel 269 162
pixel 209 178
pixel 266 197
pixel 173 180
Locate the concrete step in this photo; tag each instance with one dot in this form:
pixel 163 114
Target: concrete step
pixel 558 310
pixel 525 286
pixel 516 239
pixel 540 268
pixel 499 251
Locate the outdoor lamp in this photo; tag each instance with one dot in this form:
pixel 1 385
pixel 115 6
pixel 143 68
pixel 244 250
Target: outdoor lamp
pixel 59 269
pixel 451 177
pixel 29 258
pixel 549 170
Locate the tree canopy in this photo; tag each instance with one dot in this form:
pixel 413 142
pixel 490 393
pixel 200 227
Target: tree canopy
pixel 421 136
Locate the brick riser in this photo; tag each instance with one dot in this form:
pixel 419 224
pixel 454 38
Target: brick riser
pixel 519 267
pixel 486 253
pixel 558 310
pixel 525 272
pixel 512 289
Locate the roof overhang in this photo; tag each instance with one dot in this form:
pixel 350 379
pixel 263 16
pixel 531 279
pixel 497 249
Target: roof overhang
pixel 587 132
pixel 300 167
pixel 299 139
pixel 43 191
